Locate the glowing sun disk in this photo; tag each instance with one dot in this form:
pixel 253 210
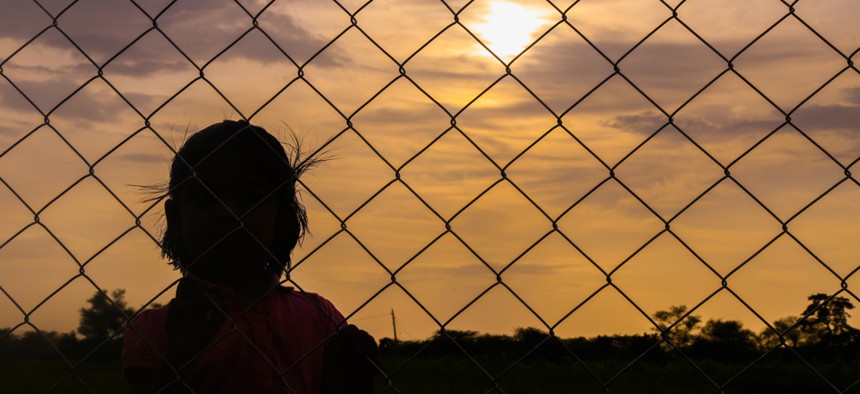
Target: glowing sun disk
pixel 508 27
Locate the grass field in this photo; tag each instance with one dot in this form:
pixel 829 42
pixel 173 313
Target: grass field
pixel 460 375
pixel 677 376
pixel 43 376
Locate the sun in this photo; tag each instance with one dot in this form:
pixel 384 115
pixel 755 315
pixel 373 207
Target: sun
pixel 507 28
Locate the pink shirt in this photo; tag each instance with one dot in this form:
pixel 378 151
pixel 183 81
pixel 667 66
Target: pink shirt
pixel 276 338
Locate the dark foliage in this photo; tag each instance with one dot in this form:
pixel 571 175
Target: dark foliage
pixel 106 317
pixel 825 321
pixel 822 332
pixel 725 340
pixel 101 324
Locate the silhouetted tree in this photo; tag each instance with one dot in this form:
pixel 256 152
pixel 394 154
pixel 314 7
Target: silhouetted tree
pixel 443 342
pixel 103 319
pixel 535 340
pixel 529 336
pixel 768 338
pixel 681 334
pixel 457 335
pixel 723 339
pixel 8 341
pixel 726 332
pixel 826 320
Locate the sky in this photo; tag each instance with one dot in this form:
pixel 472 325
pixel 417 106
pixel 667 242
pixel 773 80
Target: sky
pixel 557 150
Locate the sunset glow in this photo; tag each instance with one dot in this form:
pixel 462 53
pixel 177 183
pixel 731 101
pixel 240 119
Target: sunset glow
pixel 508 28
pixel 448 172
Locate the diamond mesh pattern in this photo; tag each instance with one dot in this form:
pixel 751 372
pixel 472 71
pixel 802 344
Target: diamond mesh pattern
pixel 397 72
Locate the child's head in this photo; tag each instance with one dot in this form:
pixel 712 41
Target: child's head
pixel 232 209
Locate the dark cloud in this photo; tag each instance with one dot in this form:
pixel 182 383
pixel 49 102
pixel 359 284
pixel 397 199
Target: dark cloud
pixel 563 61
pixel 560 73
pixel 852 94
pixel 297 42
pixel 200 28
pixel 699 127
pixel 54 6
pixel 89 105
pixel 645 122
pixel 828 117
pixel 99 29
pixel 149 56
pixel 22 19
pixel 36 96
pixel 143 158
pixel 203 30
pixel 45 94
pixel 142 100
pixel 11 100
pixel 96 102
pixel 726 127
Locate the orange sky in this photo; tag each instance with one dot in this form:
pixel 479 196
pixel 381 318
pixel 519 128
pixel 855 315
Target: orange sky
pixel 507 148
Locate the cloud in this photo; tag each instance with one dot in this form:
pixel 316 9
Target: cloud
pixel 649 121
pixel 94 103
pixel 147 66
pixel 829 117
pixel 44 93
pixel 203 30
pixel 143 158
pixel 701 123
pixel 852 94
pixel 609 225
pixel 200 28
pixel 22 20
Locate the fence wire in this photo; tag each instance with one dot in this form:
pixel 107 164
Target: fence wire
pixel 563 21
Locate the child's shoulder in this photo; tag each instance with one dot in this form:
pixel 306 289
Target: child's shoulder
pixel 294 296
pixel 152 317
pixel 149 322
pixel 307 302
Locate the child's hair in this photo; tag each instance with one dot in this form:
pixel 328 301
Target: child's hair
pixel 282 167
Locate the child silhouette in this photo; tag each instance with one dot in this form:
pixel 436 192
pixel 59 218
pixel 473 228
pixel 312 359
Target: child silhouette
pixel 233 218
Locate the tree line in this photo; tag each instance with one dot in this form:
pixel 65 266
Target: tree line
pixel 100 327
pixel 821 328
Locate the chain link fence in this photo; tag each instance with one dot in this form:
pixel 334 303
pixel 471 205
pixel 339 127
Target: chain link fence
pixel 406 124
